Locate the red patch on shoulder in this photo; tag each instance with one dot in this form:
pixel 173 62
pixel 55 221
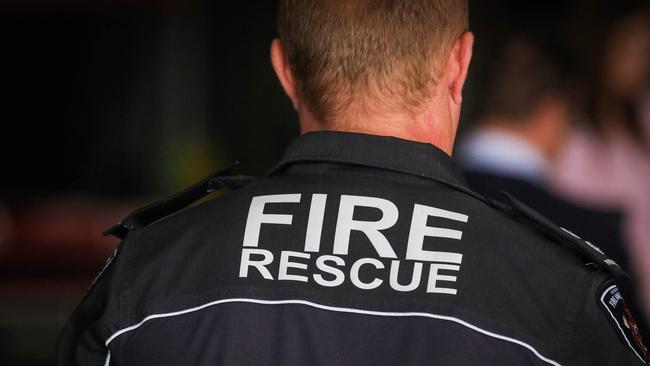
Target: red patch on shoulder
pixel 616 309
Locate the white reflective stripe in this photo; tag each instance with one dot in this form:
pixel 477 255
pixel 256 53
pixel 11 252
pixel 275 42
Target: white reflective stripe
pixel 335 309
pixel 108 359
pixel 602 299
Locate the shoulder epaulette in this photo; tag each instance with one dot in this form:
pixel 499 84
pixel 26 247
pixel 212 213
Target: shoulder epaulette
pixel 167 206
pixel 590 251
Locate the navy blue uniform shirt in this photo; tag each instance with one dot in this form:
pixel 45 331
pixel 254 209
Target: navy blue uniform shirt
pixel 355 250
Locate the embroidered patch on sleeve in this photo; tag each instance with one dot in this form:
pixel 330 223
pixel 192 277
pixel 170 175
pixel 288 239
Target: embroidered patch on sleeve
pixel 617 311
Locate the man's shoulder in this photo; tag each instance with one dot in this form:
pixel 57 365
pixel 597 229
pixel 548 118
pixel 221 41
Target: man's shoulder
pixel 588 221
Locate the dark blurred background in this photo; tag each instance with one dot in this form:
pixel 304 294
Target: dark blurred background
pixel 107 105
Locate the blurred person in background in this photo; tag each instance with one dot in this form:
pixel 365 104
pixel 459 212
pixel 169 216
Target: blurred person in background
pixel 526 117
pixel 606 161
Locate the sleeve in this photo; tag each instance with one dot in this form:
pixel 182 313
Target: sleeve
pixel 82 341
pixel 605 331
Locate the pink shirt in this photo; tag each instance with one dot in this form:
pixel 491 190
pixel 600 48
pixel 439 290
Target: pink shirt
pixel 613 174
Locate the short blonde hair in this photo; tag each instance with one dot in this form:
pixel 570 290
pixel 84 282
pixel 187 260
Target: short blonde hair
pixel 344 53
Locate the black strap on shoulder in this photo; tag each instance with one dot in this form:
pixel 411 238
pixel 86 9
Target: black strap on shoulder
pixel 167 206
pixel 565 237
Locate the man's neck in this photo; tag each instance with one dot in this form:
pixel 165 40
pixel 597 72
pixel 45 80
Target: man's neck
pixel 426 127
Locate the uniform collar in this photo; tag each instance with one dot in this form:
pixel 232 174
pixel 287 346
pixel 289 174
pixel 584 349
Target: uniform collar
pixel 389 153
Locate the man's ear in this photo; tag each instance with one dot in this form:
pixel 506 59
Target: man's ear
pixel 283 71
pixel 459 60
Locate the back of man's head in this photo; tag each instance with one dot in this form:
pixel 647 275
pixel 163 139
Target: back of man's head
pixel 350 56
pixel 527 95
pixel 524 74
